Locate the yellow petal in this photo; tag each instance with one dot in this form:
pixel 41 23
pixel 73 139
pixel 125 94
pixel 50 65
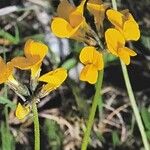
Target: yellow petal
pixel 64 9
pixel 6 70
pixel 115 17
pixel 125 53
pixel 25 63
pixel 95 2
pixel 98 60
pixel 34 48
pixel 114 40
pixel 35 71
pixel 89 73
pixel 22 111
pixel 86 55
pixel 55 78
pixel 131 30
pixel 98 11
pixel 76 17
pixel 3 71
pixel 61 28
pixel 47 89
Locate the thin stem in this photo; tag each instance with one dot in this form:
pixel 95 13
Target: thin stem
pixel 132 98
pixel 134 106
pixel 36 127
pixel 93 111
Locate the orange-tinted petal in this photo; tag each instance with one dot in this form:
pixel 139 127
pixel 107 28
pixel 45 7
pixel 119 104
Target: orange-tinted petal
pixel 6 70
pixel 131 30
pixel 98 11
pixel 25 63
pixel 61 28
pixel 114 40
pixel 89 73
pixel 22 111
pixel 33 48
pixel 115 17
pixel 55 78
pixel 3 71
pixel 64 9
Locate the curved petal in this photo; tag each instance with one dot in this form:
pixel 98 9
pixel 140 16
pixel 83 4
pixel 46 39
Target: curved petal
pixel 25 63
pixel 98 11
pixel 35 48
pixel 3 71
pixel 61 28
pixel 114 40
pixel 131 30
pixel 125 53
pixel 22 111
pixel 98 60
pixel 89 73
pixel 86 55
pixel 115 17
pixel 35 71
pixel 76 17
pixel 64 13
pixel 55 78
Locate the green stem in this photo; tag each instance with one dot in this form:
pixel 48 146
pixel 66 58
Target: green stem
pixel 92 111
pixel 134 106
pixel 36 127
pixel 132 98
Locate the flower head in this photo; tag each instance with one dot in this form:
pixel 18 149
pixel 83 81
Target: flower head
pixel 53 80
pixel 116 45
pixel 34 53
pixel 93 61
pixel 125 23
pixel 22 111
pixel 97 8
pixel 6 71
pixel 70 22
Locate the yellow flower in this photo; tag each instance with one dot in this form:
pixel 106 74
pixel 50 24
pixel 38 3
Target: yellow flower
pixel 125 23
pixel 53 79
pixel 34 54
pixel 22 111
pixel 93 61
pixel 116 45
pixel 70 22
pixel 97 8
pixel 6 71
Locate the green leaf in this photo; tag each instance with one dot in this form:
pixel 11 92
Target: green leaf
pixel 146 117
pixel 115 138
pixel 146 41
pixel 70 63
pixel 7 102
pixel 14 39
pixel 7 140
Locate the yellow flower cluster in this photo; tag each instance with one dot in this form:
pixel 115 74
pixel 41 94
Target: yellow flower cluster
pixel 71 22
pixel 34 54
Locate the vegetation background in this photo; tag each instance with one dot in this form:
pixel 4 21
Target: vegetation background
pixel 64 112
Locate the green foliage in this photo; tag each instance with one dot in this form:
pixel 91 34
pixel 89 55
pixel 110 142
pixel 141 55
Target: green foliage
pixel 146 41
pixel 53 133
pixel 7 102
pixel 70 63
pixel 146 118
pixel 13 39
pixel 7 140
pixel 115 138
